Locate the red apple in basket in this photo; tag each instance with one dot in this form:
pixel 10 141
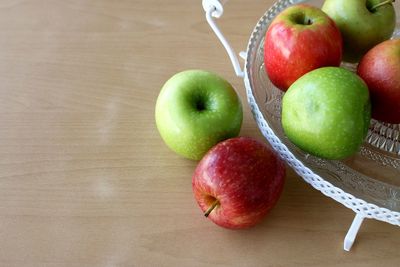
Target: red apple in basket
pixel 300 39
pixel 238 181
pixel 380 69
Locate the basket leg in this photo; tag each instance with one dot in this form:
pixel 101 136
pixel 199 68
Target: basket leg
pixel 214 9
pixel 352 233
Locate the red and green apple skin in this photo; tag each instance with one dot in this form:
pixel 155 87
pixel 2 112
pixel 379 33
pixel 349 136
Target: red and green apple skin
pixel 300 39
pixel 380 69
pixel 361 26
pixel 244 176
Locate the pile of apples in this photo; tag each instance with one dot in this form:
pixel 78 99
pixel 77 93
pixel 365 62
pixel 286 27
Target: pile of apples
pixel 326 109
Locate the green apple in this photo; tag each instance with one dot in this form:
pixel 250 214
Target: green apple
pixel 195 110
pixel 327 112
pixel 363 24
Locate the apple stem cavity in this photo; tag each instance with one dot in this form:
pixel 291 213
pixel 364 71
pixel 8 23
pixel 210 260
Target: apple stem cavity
pixel 302 19
pixel 211 208
pixel 200 105
pixel 381 4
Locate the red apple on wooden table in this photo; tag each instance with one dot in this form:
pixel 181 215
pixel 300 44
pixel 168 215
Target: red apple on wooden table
pixel 380 69
pixel 237 182
pixel 300 39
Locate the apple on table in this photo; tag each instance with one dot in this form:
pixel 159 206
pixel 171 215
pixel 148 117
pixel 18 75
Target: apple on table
pixel 363 24
pixel 195 110
pixel 301 38
pixel 380 69
pixel 238 182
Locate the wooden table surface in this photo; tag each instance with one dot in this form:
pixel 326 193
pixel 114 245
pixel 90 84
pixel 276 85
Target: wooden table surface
pixel 85 179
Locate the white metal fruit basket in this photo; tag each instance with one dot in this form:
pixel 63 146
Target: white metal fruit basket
pixel 368 182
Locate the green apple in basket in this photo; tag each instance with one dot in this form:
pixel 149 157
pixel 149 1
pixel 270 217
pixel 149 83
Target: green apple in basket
pixel 363 24
pixel 327 112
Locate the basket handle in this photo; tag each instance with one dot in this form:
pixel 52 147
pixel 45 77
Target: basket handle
pixel 215 9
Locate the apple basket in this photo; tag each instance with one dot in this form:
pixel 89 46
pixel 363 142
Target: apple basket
pixel 368 182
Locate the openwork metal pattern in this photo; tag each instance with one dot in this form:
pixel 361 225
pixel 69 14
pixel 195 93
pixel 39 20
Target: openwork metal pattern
pixel 371 192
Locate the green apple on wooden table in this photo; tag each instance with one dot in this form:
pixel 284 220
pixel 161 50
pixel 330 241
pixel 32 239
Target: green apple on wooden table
pixel 327 112
pixel 363 24
pixel 195 110
pixel 380 69
pixel 301 38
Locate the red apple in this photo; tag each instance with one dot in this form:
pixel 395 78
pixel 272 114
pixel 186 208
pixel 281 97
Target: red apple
pixel 238 181
pixel 380 69
pixel 300 39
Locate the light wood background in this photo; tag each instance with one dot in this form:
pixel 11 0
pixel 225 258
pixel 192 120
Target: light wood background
pixel 85 179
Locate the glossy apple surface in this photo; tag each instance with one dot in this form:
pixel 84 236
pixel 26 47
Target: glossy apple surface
pixel 326 112
pixel 238 181
pixel 362 26
pixel 195 110
pixel 300 39
pixel 380 69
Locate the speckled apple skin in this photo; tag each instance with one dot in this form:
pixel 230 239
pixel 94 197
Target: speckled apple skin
pixel 361 29
pixel 327 112
pixel 380 69
pixel 185 129
pixel 245 176
pixel 292 49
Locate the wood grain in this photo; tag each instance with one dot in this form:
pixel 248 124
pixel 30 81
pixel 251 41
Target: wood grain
pixel 85 179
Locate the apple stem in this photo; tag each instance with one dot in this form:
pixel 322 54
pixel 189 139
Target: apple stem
pixel 211 208
pixel 381 4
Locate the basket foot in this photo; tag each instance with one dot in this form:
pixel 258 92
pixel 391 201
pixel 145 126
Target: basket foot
pixel 352 233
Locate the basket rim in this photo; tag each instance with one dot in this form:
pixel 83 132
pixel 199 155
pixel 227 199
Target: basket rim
pixel 358 205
